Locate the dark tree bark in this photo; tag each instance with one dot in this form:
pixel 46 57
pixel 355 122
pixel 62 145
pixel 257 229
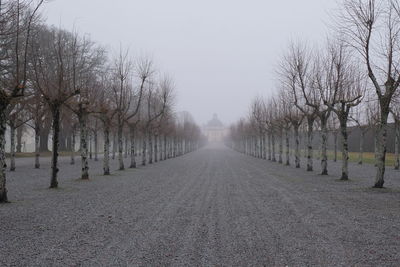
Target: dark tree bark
pixel 273 147
pixel 396 144
pixel 120 144
pixel 345 147
pixel 3 121
pixel 55 109
pixel 96 145
pixel 297 145
pixel 106 159
pixel 83 142
pixel 287 147
pixel 12 145
pixel 324 143
pixel 73 142
pixel 133 157
pixel 156 140
pixel 310 123
pixel 144 150
pixel 37 144
pixel 150 137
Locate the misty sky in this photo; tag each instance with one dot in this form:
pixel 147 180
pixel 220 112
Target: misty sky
pixel 221 53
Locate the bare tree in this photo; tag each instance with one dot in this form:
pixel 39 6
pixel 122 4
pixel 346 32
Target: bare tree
pixel 53 73
pixel 296 71
pixel 372 28
pixel 144 70
pixel 122 95
pixel 345 80
pixel 16 20
pixel 158 98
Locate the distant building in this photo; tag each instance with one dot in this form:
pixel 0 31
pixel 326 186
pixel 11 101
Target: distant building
pixel 215 130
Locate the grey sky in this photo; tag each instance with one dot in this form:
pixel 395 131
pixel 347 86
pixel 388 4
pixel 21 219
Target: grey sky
pixel 221 53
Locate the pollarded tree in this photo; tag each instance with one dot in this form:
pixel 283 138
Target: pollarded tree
pixel 144 71
pixel 16 21
pixel 18 116
pixel 320 98
pixel 37 109
pixel 106 110
pixel 53 70
pixel 87 60
pixel 257 114
pixel 372 28
pixel 291 119
pixel 345 80
pixel 157 98
pixel 296 70
pixel 122 88
pixel 295 117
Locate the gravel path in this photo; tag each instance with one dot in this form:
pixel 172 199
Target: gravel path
pixel 213 207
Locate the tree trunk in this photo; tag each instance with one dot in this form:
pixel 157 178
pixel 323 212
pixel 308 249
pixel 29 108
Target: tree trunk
pixel 396 144
pixel 269 147
pixel 56 134
pixel 3 180
pixel 132 136
pixel 381 148
pixel 106 159
pixel 114 146
pixel 155 148
pixel 144 150
pixel 360 154
pixel 90 144
pixel 120 145
pixel 165 147
pixel 324 144
pixel 345 147
pixel 335 141
pixel 19 139
pixel 126 147
pixel 273 147
pixel 150 148
pixel 84 147
pixel 37 145
pixel 96 145
pixel 280 156
pixel 73 148
pixel 12 146
pixel 287 147
pixel 264 150
pixel 297 145
pixel 310 122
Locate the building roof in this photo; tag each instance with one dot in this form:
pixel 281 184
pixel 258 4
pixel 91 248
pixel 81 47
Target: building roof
pixel 215 122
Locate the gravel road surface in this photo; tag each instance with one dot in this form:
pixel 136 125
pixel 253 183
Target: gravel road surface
pixel 212 207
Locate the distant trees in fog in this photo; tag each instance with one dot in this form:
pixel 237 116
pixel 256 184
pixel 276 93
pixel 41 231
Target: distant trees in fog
pixel 353 78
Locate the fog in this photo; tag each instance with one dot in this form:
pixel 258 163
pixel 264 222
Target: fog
pixel 220 53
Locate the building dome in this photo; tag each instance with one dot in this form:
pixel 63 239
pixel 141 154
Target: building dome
pixel 215 122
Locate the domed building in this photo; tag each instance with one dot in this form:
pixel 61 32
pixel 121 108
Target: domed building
pixel 215 130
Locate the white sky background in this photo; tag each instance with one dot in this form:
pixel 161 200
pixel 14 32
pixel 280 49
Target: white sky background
pixel 221 53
